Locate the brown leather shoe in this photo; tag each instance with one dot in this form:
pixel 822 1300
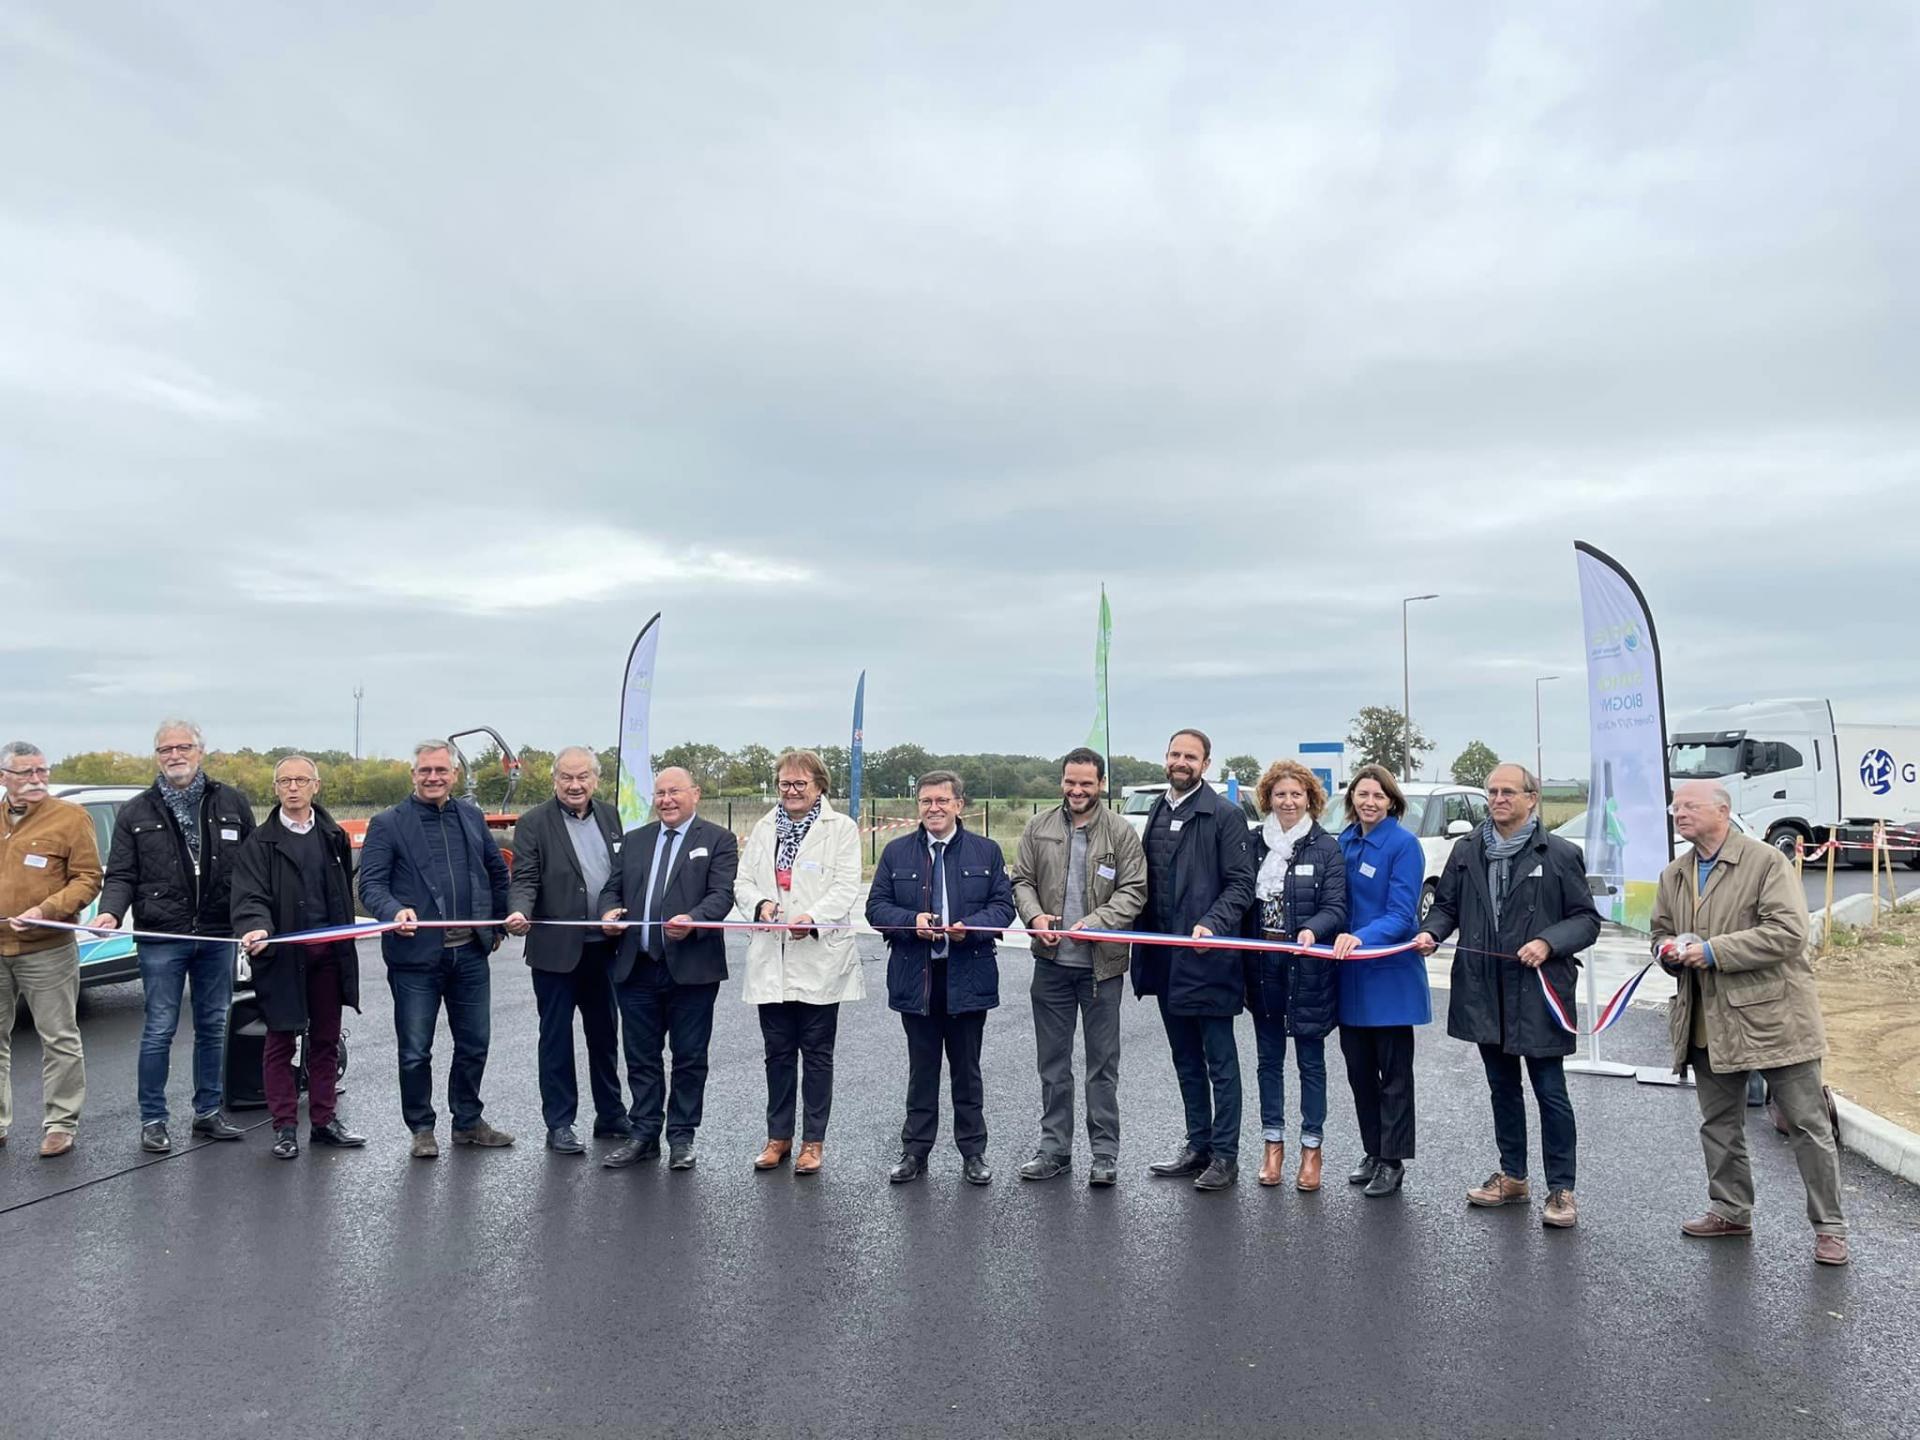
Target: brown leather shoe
pixel 1273 1162
pixel 775 1153
pixel 1830 1250
pixel 1500 1189
pixel 807 1162
pixel 1560 1213
pixel 1712 1226
pixel 57 1142
pixel 1309 1177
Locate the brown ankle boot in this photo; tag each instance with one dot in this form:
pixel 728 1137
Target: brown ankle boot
pixel 1273 1162
pixel 770 1158
pixel 807 1162
pixel 1309 1178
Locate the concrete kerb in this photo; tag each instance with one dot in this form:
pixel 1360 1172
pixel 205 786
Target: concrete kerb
pixel 1871 1136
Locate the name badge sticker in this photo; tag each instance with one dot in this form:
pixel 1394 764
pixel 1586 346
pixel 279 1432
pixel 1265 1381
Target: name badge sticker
pixel 229 834
pixel 808 865
pixel 696 854
pixel 37 862
pixel 1175 826
pixel 1105 872
pixel 1536 872
pixel 1366 870
pixel 1303 870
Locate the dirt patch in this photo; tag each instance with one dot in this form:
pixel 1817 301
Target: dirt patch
pixel 1870 994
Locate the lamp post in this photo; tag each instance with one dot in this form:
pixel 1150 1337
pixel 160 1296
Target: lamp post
pixel 1539 773
pixel 1406 689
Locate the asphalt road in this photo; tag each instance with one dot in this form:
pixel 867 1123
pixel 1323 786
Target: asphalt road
pixel 1848 880
pixel 517 1293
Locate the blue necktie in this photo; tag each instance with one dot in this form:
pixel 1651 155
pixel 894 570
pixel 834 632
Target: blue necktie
pixel 940 894
pixel 657 892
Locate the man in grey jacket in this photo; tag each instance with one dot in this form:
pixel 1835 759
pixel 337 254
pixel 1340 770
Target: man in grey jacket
pixel 1080 867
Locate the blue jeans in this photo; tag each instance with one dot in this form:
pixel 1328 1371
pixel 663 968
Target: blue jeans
pixel 1206 1062
pixel 461 978
pixel 1310 1056
pixel 1558 1137
pixel 166 968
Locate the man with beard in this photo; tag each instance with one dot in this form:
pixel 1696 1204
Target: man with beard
pixel 1200 878
pixel 1080 867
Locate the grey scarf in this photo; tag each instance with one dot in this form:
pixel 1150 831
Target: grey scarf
pixel 1500 855
pixel 185 805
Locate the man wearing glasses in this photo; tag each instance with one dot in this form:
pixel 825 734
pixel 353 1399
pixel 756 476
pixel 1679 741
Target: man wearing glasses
pixel 49 870
pixel 1518 896
pixel 296 873
pixel 431 858
pixel 172 852
pixel 564 852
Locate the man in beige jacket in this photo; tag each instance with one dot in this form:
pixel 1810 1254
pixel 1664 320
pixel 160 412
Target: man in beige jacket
pixel 1079 867
pixel 49 870
pixel 1730 923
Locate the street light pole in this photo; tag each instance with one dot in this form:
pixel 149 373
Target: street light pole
pixel 1406 690
pixel 1539 773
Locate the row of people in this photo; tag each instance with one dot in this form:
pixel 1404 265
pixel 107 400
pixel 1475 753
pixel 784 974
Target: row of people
pixel 645 983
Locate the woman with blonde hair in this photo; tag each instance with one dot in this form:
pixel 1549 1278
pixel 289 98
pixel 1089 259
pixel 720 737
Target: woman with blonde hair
pixel 800 874
pixel 1300 897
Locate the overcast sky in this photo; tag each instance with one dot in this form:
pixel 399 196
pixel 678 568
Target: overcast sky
pixel 437 351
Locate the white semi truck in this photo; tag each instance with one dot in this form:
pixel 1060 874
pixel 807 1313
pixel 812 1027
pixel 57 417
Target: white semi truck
pixel 1797 773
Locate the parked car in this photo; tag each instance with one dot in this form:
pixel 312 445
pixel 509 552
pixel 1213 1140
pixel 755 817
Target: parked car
pixel 1137 802
pixel 1437 814
pixel 110 959
pixel 1576 831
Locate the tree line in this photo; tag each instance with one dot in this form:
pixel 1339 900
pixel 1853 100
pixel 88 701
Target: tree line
pixel 1377 736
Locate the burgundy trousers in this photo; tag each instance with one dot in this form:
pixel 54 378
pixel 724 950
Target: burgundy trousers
pixel 323 1052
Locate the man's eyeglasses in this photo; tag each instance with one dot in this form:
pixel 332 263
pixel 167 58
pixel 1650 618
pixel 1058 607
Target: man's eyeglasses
pixel 1504 794
pixel 37 772
pixel 165 750
pixel 297 782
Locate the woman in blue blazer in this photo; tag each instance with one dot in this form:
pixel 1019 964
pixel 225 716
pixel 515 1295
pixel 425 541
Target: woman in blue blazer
pixel 1381 1000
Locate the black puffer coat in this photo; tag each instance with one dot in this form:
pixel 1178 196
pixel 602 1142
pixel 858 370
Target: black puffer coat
pixel 1300 987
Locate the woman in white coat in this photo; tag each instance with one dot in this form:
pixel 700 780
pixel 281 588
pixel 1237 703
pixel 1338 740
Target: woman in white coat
pixel 800 874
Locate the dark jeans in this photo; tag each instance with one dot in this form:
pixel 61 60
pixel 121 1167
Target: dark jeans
pixel 792 1030
pixel 1557 1135
pixel 461 978
pixel 1206 1060
pixel 166 969
pixel 588 989
pixel 959 1036
pixel 1380 1070
pixel 1064 995
pixel 656 1013
pixel 323 1050
pixel 1310 1057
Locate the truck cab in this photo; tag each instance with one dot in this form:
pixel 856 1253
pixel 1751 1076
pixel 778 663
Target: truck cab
pixel 1775 759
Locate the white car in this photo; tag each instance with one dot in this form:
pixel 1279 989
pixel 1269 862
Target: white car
pixel 1137 802
pixel 1576 831
pixel 1437 814
pixel 106 959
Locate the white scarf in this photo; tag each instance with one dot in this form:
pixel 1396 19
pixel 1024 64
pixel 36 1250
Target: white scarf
pixel 1280 843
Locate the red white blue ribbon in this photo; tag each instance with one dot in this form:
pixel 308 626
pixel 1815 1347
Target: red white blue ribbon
pixel 1609 1013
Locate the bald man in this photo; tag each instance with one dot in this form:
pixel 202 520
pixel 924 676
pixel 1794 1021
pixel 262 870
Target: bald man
pixel 564 853
pixel 674 871
pixel 1730 924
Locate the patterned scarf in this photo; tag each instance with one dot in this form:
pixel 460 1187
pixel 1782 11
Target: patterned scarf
pixel 1500 855
pixel 791 832
pixel 185 805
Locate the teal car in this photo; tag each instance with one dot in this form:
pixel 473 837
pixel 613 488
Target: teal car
pixel 108 959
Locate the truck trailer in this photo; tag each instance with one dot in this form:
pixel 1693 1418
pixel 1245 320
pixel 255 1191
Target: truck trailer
pixel 1796 772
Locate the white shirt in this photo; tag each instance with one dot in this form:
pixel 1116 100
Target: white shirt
pixel 298 829
pixel 1174 802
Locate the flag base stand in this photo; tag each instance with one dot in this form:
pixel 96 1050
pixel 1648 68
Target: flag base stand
pixel 1663 1075
pixel 1597 1066
pixel 1591 1063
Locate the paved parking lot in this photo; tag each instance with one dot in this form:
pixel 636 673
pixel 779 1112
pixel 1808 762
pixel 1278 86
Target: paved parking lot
pixel 517 1293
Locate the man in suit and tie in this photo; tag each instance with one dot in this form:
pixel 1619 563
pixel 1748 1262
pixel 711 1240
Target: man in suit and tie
pixel 673 871
pixel 564 851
